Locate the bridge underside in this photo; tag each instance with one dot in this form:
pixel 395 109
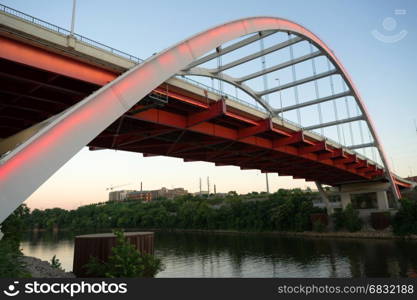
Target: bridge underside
pixel 170 121
pixel 174 122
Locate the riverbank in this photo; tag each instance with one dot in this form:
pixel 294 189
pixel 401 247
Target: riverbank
pixel 363 234
pixel 366 234
pixel 42 269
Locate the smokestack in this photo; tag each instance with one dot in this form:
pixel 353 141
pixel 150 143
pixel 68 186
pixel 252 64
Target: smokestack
pixel 208 185
pixel 200 186
pixel 267 183
pixel 214 189
pixel 141 186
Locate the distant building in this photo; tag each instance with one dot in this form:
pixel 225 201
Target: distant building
pixel 168 193
pixel 145 196
pixel 119 195
pixel 200 193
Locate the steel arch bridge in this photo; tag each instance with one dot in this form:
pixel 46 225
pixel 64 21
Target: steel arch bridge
pixel 232 134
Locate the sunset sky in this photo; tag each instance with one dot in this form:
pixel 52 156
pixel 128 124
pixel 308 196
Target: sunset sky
pixel 385 74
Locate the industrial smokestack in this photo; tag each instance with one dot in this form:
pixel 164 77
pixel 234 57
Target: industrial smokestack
pixel 200 186
pixel 208 185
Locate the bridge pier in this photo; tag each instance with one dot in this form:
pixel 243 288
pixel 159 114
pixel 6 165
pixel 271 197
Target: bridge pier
pixel 377 193
pixel 382 200
pixel 345 199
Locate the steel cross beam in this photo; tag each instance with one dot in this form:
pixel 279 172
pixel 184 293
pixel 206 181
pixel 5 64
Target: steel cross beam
pixel 360 146
pixel 313 102
pixel 280 66
pixel 298 82
pixel 333 123
pixel 233 47
pixel 256 55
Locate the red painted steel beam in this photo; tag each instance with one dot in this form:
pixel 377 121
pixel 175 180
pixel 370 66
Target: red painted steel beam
pixel 187 147
pixel 45 60
pixel 335 154
pixel 295 138
pixel 216 109
pixel 318 147
pixel 215 130
pixel 402 183
pixel 241 118
pixel 149 135
pixel 182 98
pixel 260 127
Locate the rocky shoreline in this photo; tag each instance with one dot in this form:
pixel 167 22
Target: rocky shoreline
pixel 42 269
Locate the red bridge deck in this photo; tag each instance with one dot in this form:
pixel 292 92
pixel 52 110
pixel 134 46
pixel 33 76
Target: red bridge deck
pixel 36 84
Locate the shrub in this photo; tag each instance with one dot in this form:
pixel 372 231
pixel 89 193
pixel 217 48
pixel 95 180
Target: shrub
pixel 125 261
pixel 11 264
pixel 352 220
pixel 405 220
pixel 338 219
pixel 347 219
pixel 55 263
pixel 318 226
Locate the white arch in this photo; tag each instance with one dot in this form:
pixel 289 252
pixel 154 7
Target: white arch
pixel 29 165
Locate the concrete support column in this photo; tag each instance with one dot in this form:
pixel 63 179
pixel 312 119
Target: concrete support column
pixel 382 199
pixel 345 199
pixel 71 41
pixel 325 199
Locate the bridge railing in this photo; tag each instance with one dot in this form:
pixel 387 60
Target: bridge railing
pixel 64 31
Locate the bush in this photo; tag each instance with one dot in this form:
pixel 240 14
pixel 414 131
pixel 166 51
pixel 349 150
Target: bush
pixel 11 264
pixel 125 261
pixel 292 210
pixel 347 219
pixel 353 222
pixel 55 263
pixel 338 219
pixel 405 220
pixel 318 226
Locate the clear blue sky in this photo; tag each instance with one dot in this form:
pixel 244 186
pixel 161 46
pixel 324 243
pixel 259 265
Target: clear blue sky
pixel 385 74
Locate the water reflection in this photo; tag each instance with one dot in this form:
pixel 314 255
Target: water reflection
pixel 256 255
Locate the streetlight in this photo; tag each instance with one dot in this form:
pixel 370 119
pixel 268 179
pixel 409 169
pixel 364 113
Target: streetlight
pixel 74 3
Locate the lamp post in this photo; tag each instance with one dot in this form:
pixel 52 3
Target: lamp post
pixel 74 4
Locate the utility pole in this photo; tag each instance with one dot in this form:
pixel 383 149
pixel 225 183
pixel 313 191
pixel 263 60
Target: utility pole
pixel 200 186
pixel 215 190
pixel 267 183
pixel 74 4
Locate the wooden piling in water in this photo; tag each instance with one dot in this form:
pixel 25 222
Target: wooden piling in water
pixel 100 245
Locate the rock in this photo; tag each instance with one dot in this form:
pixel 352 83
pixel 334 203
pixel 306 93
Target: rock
pixel 43 269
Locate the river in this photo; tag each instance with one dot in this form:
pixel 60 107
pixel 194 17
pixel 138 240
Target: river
pixel 188 254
